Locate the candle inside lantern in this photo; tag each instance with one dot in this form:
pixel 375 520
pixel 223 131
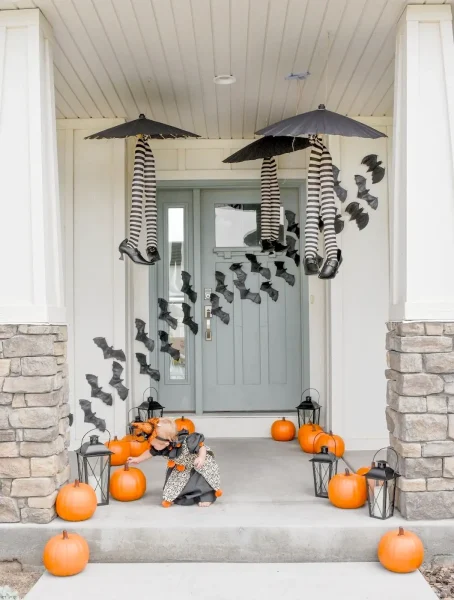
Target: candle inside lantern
pixel 378 490
pixel 93 482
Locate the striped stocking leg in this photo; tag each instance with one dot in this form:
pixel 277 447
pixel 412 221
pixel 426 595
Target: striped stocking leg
pixel 265 207
pixel 275 201
pixel 327 204
pixel 138 180
pixel 311 229
pixel 151 211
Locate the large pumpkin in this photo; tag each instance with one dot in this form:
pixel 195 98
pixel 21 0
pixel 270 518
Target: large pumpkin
pixel 334 443
pixel 127 484
pixel 121 451
pixel 306 436
pixel 138 444
pixel 282 430
pixel 185 423
pixel 347 490
pixel 66 554
pixel 76 502
pixel 401 551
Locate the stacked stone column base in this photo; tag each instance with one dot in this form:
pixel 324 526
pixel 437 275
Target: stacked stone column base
pixel 420 416
pixel 34 423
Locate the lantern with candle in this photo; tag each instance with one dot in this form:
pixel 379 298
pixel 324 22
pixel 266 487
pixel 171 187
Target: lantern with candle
pixel 324 466
pixel 381 482
pixel 93 466
pixel 149 409
pixel 308 410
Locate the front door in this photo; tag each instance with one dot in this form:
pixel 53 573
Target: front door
pixel 254 363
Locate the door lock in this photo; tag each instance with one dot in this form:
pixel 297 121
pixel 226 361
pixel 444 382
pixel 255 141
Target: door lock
pixel 207 314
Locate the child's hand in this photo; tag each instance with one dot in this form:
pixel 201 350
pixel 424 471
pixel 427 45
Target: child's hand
pixel 133 461
pixel 199 462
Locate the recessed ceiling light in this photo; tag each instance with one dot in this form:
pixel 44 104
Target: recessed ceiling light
pixel 224 79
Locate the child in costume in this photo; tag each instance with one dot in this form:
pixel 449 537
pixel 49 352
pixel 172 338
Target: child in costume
pixel 192 473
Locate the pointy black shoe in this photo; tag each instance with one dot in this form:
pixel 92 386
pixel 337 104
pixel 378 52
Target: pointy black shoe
pixel 278 247
pixel 312 264
pixel 133 253
pixel 267 246
pixel 153 255
pixel 331 267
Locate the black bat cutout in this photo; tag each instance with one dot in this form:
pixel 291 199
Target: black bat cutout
pixel 363 193
pixel 256 267
pixel 108 351
pixel 371 161
pixel 222 288
pixel 236 268
pixel 142 336
pixel 340 192
pixel 96 391
pixel 357 214
pixel 293 227
pixel 90 416
pixel 292 252
pixel 166 347
pixel 338 223
pixel 187 289
pixel 146 369
pixel 269 289
pixel 71 419
pixel 281 271
pixel 246 294
pixel 188 320
pixel 217 311
pixel 116 382
pixel 165 315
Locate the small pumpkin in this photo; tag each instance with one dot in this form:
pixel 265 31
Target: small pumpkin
pixel 283 430
pixel 127 484
pixel 66 554
pixel 347 490
pixel 121 451
pixel 306 436
pixel 76 502
pixel 401 551
pixel 138 444
pixel 334 443
pixel 185 423
pixel 363 470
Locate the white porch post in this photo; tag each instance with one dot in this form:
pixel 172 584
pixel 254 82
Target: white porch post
pixel 33 392
pixel 420 411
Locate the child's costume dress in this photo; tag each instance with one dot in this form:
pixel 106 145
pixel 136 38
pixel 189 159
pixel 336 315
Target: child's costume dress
pixel 184 483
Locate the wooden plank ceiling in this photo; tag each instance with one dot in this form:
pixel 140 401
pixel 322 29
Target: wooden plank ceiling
pixel 117 58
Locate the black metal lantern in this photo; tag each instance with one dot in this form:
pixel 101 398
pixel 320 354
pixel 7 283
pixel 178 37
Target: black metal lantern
pixel 324 466
pixel 149 409
pixel 308 410
pixel 381 488
pixel 93 466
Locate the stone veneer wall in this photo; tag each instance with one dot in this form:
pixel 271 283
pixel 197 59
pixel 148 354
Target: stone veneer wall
pixel 420 416
pixel 34 423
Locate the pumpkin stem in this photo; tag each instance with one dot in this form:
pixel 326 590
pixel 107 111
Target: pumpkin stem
pixel 401 531
pixel 115 439
pixel 126 467
pixel 283 418
pixel 347 472
pixel 65 534
pixel 76 483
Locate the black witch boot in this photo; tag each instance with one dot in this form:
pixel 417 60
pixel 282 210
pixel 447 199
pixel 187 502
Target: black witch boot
pixel 312 264
pixel 133 253
pixel 331 267
pixel 267 246
pixel 278 247
pixel 153 255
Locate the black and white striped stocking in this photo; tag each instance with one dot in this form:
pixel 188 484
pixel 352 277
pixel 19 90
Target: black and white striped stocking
pixel 138 181
pixel 271 204
pixel 151 210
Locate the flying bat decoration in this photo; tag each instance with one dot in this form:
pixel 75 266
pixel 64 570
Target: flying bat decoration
pixel 241 275
pixel 146 369
pixel 217 311
pixel 246 294
pixel 221 288
pixel 188 320
pixel 116 382
pixel 357 214
pixel 165 315
pixel 187 288
pixel 269 289
pixel 340 192
pixel 108 351
pixel 96 391
pixel 142 336
pixel 293 227
pixel 338 224
pixel 281 271
pixel 90 416
pixel 371 161
pixel 71 419
pixel 256 267
pixel 166 347
pixel 292 252
pixel 363 193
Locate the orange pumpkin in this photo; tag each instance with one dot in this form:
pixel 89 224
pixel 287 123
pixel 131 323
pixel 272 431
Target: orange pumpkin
pixel 347 490
pixel 66 554
pixel 137 443
pixel 76 502
pixel 363 470
pixel 128 484
pixel 334 443
pixel 282 430
pixel 121 451
pixel 306 436
pixel 185 423
pixel 401 551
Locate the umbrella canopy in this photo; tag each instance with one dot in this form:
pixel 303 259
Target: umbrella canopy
pixel 268 147
pixel 318 122
pixel 142 126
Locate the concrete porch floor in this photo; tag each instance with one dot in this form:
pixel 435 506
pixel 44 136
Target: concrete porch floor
pixel 268 514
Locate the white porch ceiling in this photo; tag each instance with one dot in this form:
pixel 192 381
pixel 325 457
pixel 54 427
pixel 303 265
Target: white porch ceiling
pixel 117 58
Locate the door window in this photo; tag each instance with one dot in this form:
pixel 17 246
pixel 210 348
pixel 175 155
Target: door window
pixel 238 225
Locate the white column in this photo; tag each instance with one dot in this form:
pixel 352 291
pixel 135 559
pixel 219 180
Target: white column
pixel 422 209
pixel 31 283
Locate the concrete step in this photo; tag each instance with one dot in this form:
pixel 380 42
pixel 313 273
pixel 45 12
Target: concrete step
pixel 344 581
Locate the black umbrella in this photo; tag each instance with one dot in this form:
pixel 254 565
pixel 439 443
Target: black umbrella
pixel 318 122
pixel 142 126
pixel 267 147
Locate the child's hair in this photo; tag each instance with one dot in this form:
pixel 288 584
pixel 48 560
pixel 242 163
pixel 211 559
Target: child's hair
pixel 166 428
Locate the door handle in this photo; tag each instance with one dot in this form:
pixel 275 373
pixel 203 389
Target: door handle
pixel 207 314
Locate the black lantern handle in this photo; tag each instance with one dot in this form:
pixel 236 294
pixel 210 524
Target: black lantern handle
pixel 397 456
pixel 150 388
pixel 94 429
pixel 308 389
pixel 133 408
